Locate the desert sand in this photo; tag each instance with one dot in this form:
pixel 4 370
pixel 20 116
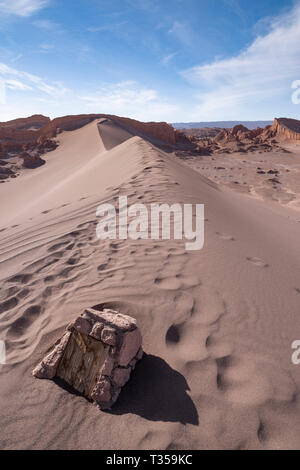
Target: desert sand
pixel 217 324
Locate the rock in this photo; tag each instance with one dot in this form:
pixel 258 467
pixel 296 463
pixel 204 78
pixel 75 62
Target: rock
pixel 139 354
pixel 116 320
pixel 108 336
pixel 33 161
pixel 102 393
pixel 96 331
pixel 274 181
pixel 6 171
pixel 130 347
pixel 83 325
pixel 48 367
pixel 96 355
pixel 121 376
pixel 287 129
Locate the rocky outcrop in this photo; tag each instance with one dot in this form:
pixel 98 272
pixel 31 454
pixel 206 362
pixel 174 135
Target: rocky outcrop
pixel 5 172
pixel 241 139
pixel 8 147
pixel 238 134
pixel 158 130
pixel 96 355
pixel 36 130
pixel 32 161
pixel 22 130
pixel 286 129
pixel 35 122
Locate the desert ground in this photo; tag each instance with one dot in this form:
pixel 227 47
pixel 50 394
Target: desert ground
pixel 217 324
pixel 269 176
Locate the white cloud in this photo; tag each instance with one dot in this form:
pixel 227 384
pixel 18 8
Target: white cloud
pixel 46 47
pixel 22 7
pixel 167 59
pixel 261 73
pixel 20 80
pixel 110 27
pixel 183 33
pixel 47 25
pixel 129 99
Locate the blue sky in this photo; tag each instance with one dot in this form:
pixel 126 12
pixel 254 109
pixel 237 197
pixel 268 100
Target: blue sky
pixel 173 60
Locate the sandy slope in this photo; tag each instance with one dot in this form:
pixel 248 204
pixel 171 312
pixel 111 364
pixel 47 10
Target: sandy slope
pixel 217 324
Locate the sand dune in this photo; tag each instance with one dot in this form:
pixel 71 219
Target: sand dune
pixel 217 324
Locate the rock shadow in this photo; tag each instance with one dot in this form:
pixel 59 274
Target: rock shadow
pixel 157 392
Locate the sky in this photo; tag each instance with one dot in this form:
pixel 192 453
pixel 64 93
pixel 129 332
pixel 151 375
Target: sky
pixel 161 60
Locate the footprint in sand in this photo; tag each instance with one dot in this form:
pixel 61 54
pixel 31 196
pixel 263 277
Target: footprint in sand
pixel 21 278
pixel 262 432
pixel 23 293
pixel 57 246
pixel 225 236
pixel 19 327
pixel 8 304
pixel 173 335
pixel 258 262
pixel 103 266
pixel 168 283
pixel 11 291
pixel 223 363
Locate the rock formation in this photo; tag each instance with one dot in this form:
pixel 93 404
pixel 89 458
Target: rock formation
pixel 287 129
pixel 36 134
pixel 158 130
pixel 95 356
pixel 241 139
pixel 32 161
pixel 34 122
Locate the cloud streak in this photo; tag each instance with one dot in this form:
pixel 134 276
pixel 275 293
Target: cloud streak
pixel 128 98
pixel 15 79
pixel 263 71
pixel 22 7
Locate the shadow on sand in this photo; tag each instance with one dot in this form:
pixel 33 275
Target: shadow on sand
pixel 158 393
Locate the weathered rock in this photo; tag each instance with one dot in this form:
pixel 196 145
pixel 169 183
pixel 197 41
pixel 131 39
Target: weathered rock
pixel 33 161
pixel 121 376
pixel 96 355
pixel 48 367
pixel 288 129
pixel 130 346
pixel 108 335
pixel 6 171
pixel 97 330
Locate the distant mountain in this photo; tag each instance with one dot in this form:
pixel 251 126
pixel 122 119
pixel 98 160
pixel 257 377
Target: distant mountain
pixel 223 124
